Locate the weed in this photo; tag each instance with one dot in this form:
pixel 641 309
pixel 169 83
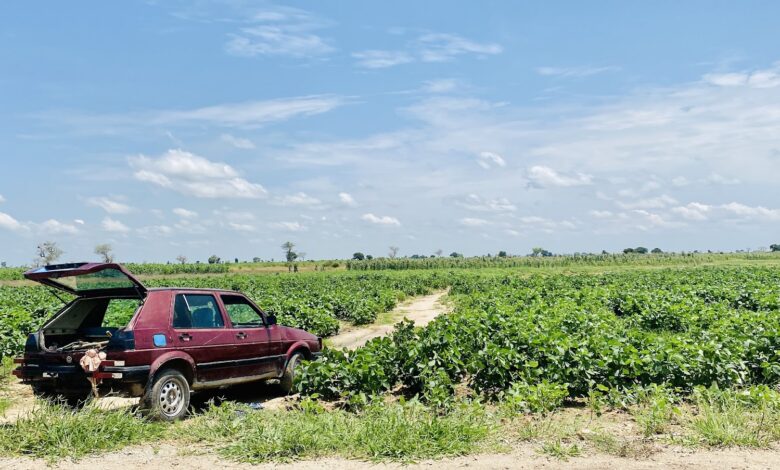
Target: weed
pixel 560 450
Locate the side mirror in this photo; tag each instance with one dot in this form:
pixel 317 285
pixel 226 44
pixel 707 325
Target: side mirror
pixel 270 320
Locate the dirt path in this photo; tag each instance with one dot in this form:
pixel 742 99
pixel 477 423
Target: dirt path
pixel 523 457
pixel 420 310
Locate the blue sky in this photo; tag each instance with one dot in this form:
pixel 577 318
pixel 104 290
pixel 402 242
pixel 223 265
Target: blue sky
pixel 229 127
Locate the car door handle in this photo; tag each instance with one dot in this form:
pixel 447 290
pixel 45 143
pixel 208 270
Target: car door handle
pixel 185 337
pixel 240 335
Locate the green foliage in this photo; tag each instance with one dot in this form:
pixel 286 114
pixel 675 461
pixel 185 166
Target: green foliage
pixel 537 398
pixel 54 432
pixel 673 328
pixel 401 431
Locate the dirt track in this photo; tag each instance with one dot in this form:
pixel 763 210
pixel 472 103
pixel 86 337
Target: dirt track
pixel 420 310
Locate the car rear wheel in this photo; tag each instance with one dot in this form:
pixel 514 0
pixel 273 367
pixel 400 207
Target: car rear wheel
pixel 288 378
pixel 168 399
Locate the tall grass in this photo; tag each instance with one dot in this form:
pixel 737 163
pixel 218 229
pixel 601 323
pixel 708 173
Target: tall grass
pixel 382 431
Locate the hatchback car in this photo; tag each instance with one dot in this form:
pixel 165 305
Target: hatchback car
pixel 176 341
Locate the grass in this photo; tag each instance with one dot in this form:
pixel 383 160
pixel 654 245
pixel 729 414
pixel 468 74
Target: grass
pixel 52 432
pixel 560 450
pixel 6 366
pixel 399 431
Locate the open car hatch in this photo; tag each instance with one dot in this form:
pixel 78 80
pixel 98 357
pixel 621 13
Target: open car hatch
pixel 89 279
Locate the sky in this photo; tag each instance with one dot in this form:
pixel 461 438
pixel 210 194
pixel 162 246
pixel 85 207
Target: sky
pixel 195 128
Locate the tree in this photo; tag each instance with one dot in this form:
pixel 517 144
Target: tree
pixel 181 259
pixel 369 257
pixel 439 252
pixel 641 250
pixel 393 252
pixel 257 259
pixel 214 259
pixel 455 254
pixel 656 250
pixel 502 254
pixel 537 251
pixel 358 256
pixel 104 250
pixel 48 252
pixel 774 247
pixel 289 254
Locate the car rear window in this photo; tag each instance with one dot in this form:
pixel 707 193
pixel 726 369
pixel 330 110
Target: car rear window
pixel 196 311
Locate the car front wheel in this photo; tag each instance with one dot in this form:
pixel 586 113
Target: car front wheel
pixel 288 379
pixel 168 399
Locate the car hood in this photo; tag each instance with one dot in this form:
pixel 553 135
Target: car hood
pixel 89 279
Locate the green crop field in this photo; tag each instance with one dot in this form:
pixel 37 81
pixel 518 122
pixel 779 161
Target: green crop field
pixel 687 347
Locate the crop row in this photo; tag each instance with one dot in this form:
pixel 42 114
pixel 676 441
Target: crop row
pixel 574 333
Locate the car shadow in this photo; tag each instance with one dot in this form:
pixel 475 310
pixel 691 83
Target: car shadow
pixel 259 395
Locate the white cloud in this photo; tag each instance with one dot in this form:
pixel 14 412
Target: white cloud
pixel 53 226
pixel 444 85
pixel 297 199
pixel 475 203
pixel 575 72
pixel 79 221
pixel 693 211
pixel 193 175
pixel 473 222
pixel 376 59
pixel 383 220
pixel 544 177
pixel 347 199
pixel 184 213
pixel 680 181
pixel 281 31
pixel 758 212
pixel 2 199
pixel 715 178
pixel 111 225
pixel 237 142
pixel 488 159
pixel 109 205
pixel 766 78
pixel 289 226
pixel 601 214
pixel 152 231
pixel 432 47
pixel 251 114
pixel 649 203
pixel 241 227
pixel 9 223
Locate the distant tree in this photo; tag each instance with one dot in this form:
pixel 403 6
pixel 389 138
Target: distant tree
pixel 256 259
pixel 301 255
pixel 393 252
pixel 104 250
pixel 214 259
pixel 628 250
pixel 48 252
pixel 455 254
pixel 236 260
pixel 289 254
pixel 546 253
pixel 3 265
pixel 369 257
pixel 358 256
pixel 438 252
pixel 774 247
pixel 641 250
pixel 604 252
pixel 656 250
pixel 537 251
pixel 502 254
pixel 181 259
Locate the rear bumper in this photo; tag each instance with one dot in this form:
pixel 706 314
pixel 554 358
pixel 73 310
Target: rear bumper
pixel 71 372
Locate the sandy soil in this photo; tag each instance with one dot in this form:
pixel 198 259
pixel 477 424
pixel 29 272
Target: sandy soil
pixel 420 310
pixel 524 457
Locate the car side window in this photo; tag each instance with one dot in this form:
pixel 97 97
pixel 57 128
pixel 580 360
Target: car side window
pixel 196 311
pixel 241 312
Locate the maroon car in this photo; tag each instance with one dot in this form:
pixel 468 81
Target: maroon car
pixel 177 340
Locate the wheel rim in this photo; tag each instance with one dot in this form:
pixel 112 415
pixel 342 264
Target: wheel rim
pixel 171 398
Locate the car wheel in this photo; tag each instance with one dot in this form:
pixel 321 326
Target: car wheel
pixel 168 398
pixel 288 378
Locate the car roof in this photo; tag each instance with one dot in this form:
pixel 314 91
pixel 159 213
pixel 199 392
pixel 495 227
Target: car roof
pixel 195 289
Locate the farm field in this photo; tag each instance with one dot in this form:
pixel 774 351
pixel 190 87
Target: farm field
pixel 622 364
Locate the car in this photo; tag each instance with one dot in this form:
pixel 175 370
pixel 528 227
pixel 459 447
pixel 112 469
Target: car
pixel 177 341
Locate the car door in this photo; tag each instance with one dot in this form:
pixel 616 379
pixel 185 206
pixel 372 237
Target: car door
pixel 261 340
pixel 200 330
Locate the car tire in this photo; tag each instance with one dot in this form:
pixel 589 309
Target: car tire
pixel 168 397
pixel 288 378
